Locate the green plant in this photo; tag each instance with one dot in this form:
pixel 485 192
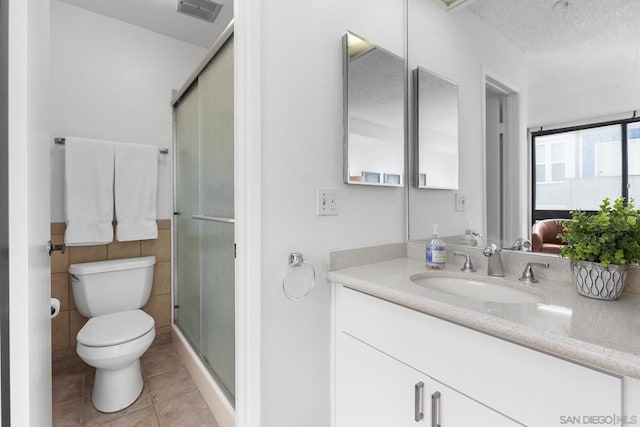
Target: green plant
pixel 610 236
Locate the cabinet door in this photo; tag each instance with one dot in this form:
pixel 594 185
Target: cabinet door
pixel 375 390
pixel 452 409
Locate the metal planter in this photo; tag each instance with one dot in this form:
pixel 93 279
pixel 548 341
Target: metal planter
pixel 595 281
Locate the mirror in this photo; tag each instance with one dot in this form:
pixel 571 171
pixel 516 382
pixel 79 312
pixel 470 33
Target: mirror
pixel 373 93
pixel 437 131
pixel 520 66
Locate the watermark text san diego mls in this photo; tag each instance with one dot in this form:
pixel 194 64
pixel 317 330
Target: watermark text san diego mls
pixel 605 420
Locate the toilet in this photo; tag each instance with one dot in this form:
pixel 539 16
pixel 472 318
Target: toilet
pixel 110 294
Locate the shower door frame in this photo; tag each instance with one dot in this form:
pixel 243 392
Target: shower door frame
pixel 225 400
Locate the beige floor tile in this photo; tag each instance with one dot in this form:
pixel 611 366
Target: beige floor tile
pixel 207 422
pixel 170 384
pixel 70 366
pixel 142 418
pixel 92 417
pixel 162 359
pixel 88 383
pixel 169 399
pixel 186 410
pixel 66 388
pixel 163 336
pixel 67 414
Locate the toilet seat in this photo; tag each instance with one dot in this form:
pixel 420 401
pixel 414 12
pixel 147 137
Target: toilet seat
pixel 115 328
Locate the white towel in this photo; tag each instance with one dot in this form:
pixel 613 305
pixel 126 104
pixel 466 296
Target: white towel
pixel 136 192
pixel 88 182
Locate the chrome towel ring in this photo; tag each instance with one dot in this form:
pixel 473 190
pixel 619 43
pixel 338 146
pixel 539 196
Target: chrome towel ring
pixel 296 260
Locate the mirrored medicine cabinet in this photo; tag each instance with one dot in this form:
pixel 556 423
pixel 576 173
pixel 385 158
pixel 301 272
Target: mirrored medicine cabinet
pixel 436 134
pixel 374 131
pixel 374 141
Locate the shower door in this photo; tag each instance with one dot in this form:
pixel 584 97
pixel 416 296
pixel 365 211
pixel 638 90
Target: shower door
pixel 204 221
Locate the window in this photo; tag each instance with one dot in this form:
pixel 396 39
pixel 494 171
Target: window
pixel 577 167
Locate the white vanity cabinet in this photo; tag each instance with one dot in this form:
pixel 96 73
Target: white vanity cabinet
pixel 376 390
pixel 383 351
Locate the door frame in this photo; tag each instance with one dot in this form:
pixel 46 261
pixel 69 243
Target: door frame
pixel 248 209
pixel 29 213
pixel 516 183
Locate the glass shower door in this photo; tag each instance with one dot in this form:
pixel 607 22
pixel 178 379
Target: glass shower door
pixel 217 244
pixel 205 231
pixel 187 232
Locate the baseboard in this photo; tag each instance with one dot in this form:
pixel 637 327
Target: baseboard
pixel 218 403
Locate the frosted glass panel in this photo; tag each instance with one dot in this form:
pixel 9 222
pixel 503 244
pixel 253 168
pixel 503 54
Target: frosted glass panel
pixel 216 135
pixel 205 257
pixel 218 294
pixel 216 199
pixel 187 232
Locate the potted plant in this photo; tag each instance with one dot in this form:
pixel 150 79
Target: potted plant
pixel 601 247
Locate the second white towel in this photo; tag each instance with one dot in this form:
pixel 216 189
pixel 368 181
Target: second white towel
pixel 136 191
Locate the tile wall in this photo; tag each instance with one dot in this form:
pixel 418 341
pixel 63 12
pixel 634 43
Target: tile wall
pixel 66 325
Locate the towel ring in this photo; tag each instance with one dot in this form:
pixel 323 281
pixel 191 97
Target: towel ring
pixel 296 260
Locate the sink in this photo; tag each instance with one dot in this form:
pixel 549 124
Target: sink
pixel 476 289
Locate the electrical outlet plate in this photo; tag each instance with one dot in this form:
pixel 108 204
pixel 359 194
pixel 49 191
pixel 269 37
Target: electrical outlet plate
pixel 460 202
pixel 327 201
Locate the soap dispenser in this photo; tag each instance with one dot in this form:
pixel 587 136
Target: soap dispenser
pixel 469 238
pixel 436 252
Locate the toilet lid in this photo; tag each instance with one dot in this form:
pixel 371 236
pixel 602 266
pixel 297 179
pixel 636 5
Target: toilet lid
pixel 115 328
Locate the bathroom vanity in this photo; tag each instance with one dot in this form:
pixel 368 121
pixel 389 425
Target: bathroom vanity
pixel 406 355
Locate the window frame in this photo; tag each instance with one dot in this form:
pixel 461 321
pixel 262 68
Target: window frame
pixel 537 214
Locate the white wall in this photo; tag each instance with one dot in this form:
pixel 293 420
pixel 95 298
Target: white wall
pixel 302 150
pixel 582 83
pixel 112 80
pixel 459 46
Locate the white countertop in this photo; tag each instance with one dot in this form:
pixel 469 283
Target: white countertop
pixel 600 334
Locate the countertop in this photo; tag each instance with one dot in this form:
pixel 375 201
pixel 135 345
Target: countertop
pixel 600 334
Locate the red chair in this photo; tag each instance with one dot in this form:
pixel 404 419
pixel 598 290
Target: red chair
pixel 544 236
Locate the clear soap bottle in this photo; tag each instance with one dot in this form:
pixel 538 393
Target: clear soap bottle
pixel 469 238
pixel 436 251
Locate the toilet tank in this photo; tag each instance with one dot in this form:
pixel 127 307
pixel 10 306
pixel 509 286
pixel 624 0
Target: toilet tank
pixel 111 286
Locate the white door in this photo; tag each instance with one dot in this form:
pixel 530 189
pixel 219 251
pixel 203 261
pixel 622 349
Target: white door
pixel 28 214
pixel 375 390
pixel 452 409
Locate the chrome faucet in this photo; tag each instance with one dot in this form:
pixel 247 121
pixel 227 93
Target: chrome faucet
pixel 521 244
pixel 495 262
pixel 527 274
pixel 468 265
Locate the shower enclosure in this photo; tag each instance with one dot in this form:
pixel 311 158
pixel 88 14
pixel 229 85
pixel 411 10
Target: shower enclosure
pixel 204 248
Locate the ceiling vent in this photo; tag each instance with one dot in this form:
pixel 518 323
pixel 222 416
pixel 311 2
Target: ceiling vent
pixel 203 9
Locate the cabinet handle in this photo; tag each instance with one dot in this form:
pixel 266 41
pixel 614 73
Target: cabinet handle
pixel 419 401
pixel 435 409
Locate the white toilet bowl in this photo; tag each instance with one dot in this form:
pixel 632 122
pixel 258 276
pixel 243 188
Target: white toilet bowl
pixel 113 344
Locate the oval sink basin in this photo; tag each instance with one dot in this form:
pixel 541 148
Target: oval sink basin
pixel 479 290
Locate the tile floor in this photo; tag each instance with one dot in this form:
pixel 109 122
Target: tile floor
pixel 169 398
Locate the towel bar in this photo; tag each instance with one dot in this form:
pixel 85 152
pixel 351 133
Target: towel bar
pixel 61 141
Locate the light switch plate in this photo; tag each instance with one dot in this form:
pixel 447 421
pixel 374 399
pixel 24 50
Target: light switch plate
pixel 327 201
pixel 460 202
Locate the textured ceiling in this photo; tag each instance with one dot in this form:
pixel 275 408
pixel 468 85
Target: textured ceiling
pixel 161 17
pixel 536 26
